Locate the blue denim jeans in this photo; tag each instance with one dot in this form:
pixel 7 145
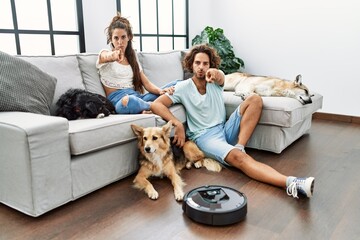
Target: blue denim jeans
pixel 137 102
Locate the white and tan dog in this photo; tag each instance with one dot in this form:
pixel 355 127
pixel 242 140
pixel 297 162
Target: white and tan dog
pixel 246 84
pixel 157 159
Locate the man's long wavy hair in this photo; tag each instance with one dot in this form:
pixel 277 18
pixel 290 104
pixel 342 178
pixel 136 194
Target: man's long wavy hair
pixel 123 23
pixel 201 48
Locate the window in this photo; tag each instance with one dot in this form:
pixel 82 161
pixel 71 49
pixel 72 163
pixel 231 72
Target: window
pixel 157 24
pixel 56 27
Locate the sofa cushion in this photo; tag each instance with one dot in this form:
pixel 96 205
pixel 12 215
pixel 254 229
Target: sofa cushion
pixel 278 111
pixel 24 87
pixel 162 67
pixel 90 135
pixel 87 63
pixel 64 68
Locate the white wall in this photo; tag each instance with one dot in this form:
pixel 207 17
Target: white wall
pixel 97 16
pixel 319 39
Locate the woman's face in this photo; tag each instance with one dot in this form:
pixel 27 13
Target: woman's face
pixel 119 39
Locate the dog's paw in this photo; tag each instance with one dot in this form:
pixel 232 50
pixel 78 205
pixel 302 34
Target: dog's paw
pixel 179 195
pixel 242 95
pixel 153 195
pixel 198 164
pixel 100 115
pixel 188 165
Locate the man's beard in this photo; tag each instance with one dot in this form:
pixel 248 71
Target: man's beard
pixel 200 75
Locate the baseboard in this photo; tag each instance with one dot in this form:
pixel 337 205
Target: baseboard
pixel 336 117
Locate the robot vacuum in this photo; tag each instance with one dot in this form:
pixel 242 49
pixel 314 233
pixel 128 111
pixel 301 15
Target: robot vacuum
pixel 215 205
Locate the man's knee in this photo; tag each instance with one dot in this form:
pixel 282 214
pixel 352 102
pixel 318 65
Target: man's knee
pixel 255 100
pixel 236 158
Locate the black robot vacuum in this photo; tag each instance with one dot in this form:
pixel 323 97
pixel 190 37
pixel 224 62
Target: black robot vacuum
pixel 215 205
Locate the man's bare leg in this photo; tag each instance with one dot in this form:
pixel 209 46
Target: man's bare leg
pixel 250 110
pixel 254 169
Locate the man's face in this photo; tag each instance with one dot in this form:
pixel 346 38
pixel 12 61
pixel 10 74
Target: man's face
pixel 200 65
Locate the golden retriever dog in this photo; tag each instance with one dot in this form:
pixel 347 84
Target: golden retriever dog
pixel 157 158
pixel 246 84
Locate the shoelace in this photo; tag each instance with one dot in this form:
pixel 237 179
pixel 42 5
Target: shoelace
pixel 291 190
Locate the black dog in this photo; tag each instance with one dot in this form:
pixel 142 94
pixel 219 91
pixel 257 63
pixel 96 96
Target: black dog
pixel 81 104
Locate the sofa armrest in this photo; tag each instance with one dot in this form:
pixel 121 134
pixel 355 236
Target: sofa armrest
pixel 35 162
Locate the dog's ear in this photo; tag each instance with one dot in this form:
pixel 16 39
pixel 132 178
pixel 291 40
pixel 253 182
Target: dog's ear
pixel 298 80
pixel 167 128
pixel 139 131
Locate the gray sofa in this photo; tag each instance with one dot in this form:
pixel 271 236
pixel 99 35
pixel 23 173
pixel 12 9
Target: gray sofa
pixel 47 161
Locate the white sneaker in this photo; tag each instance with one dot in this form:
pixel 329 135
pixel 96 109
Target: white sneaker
pixel 304 186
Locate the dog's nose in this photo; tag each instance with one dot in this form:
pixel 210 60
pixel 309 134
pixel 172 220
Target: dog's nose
pixel 305 99
pixel 147 149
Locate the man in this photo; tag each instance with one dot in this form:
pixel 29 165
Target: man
pixel 219 139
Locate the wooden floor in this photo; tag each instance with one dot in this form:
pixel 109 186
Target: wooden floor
pixel 330 153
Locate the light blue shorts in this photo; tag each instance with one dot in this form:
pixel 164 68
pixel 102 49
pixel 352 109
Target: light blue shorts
pixel 219 140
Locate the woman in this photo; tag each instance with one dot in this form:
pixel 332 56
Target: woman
pixel 121 74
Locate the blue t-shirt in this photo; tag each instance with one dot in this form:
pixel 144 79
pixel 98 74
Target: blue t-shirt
pixel 202 111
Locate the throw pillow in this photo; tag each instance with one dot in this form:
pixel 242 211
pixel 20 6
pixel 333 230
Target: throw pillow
pixel 161 67
pixel 87 62
pixel 24 87
pixel 187 73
